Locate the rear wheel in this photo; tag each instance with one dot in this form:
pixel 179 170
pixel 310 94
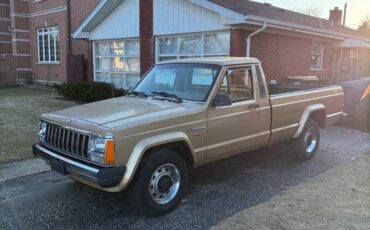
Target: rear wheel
pixel 305 147
pixel 160 183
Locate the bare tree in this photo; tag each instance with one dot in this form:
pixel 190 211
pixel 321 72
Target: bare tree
pixel 365 25
pixel 312 10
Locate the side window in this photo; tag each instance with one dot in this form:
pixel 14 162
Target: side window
pixel 261 83
pixel 238 82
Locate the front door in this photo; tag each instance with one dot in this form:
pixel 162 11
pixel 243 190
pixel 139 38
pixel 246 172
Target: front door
pixel 236 128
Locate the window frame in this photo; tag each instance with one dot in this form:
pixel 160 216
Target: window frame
pixel 111 72
pixel 202 54
pixel 322 48
pixel 261 78
pixel 253 99
pixel 49 33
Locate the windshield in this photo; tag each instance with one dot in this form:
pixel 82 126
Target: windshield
pixel 185 81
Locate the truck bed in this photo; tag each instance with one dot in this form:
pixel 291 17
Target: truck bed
pixel 295 99
pixel 275 89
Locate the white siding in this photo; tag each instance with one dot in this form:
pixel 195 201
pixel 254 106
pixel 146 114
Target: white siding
pixel 182 16
pixel 123 22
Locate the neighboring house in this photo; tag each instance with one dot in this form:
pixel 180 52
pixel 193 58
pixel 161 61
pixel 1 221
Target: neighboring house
pixel 121 39
pixel 34 41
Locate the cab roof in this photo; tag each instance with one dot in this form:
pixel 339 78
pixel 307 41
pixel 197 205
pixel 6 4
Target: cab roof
pixel 216 61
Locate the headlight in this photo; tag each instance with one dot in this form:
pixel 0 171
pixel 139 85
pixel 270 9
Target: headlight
pixel 42 131
pixel 102 149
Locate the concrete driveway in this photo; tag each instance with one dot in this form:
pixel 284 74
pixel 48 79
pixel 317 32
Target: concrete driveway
pixel 222 194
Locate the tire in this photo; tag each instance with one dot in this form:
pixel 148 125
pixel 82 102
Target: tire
pixel 160 183
pixel 306 145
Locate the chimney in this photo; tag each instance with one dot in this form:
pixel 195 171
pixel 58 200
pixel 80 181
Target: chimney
pixel 335 17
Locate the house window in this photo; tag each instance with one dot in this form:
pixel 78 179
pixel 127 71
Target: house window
pixel 48 45
pixel 317 53
pixel 117 62
pixel 193 46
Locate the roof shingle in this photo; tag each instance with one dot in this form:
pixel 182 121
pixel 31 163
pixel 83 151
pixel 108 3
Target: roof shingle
pixel 246 7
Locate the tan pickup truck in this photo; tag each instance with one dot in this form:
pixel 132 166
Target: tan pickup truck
pixel 182 114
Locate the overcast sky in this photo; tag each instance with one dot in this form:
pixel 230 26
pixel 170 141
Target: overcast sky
pixel 357 9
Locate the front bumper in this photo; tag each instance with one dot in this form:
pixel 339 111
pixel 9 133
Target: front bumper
pixel 103 177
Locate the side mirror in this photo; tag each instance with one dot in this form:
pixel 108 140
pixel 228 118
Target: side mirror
pixel 222 99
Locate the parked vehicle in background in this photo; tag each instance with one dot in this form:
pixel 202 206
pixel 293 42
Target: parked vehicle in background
pixel 181 115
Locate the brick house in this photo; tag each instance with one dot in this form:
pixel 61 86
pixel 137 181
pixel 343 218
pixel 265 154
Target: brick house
pixel 121 39
pixel 34 41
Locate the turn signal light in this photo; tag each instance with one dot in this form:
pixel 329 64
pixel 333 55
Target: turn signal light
pixel 109 152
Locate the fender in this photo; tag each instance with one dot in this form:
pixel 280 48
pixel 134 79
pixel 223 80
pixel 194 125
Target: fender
pixel 140 150
pixel 306 115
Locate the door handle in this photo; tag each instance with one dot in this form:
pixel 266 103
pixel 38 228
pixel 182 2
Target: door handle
pixel 253 106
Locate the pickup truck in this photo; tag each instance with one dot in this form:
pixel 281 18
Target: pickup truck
pixel 181 115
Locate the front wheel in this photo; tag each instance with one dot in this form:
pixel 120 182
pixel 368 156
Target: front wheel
pixel 160 183
pixel 306 145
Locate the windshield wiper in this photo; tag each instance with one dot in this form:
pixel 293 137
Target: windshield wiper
pixel 138 93
pixel 168 95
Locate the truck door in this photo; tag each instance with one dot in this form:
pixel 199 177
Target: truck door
pixel 236 128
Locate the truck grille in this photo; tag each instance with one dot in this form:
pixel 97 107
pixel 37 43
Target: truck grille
pixel 67 141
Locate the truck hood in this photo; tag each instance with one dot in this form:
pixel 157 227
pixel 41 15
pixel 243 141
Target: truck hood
pixel 122 111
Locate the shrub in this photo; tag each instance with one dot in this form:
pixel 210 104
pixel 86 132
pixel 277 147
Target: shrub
pixel 88 91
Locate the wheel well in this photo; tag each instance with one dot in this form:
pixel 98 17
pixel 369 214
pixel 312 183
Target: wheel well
pixel 180 147
pixel 319 117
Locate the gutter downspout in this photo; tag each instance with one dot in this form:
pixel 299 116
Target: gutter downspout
pixel 69 25
pixel 251 35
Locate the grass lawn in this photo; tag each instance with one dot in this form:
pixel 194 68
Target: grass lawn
pixel 20 111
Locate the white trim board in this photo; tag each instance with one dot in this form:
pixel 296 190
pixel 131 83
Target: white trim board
pixel 40 13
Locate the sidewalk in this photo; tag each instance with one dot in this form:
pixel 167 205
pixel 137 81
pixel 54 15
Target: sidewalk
pixel 22 168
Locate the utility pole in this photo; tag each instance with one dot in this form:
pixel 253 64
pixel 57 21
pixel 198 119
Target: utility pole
pixel 345 14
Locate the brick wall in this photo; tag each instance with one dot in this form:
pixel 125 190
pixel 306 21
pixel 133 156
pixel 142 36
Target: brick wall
pixel 49 72
pixel 6 37
pixel 238 43
pixel 79 11
pixel 5 10
pixel 8 72
pixel 146 36
pixel 21 42
pixel 281 55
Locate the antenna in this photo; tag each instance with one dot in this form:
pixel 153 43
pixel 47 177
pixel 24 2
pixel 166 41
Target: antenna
pixel 345 14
